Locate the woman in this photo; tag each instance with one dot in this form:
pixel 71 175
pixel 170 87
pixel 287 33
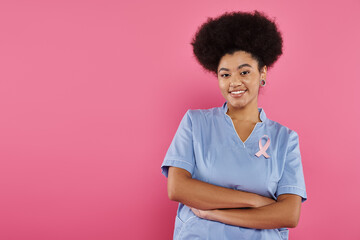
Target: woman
pixel 235 173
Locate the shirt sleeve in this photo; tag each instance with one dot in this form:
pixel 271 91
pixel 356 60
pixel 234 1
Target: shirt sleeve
pixel 292 180
pixel 181 151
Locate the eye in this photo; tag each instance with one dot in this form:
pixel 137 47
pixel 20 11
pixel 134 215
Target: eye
pixel 246 72
pixel 223 75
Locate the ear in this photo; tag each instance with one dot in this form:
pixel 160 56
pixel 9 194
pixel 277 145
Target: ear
pixel 263 72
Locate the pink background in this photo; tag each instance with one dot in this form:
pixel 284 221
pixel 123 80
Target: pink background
pixel 92 92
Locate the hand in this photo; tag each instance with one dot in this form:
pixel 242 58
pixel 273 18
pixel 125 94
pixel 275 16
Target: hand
pixel 263 201
pixel 201 213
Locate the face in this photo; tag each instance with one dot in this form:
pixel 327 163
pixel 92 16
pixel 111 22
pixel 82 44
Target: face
pixel 239 72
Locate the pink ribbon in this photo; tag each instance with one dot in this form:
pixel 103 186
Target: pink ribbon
pixel 262 148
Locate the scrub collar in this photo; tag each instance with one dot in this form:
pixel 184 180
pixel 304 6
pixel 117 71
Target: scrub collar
pixel 263 117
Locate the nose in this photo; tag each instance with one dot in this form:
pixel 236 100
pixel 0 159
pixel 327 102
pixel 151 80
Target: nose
pixel 235 81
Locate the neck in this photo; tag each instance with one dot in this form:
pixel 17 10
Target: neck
pixel 249 113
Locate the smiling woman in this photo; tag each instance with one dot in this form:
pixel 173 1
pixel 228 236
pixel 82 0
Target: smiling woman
pixel 229 183
pixel 239 82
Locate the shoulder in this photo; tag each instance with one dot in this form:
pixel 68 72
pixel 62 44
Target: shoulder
pixel 282 131
pixel 203 114
pixel 284 138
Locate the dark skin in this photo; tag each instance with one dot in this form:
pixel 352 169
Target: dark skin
pixel 231 206
pixel 226 205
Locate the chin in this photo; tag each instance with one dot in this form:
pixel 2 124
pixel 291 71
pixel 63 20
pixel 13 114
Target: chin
pixel 236 104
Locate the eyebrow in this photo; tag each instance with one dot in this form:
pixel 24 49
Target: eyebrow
pixel 240 66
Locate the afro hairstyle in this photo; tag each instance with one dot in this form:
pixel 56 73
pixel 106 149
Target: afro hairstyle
pixel 234 31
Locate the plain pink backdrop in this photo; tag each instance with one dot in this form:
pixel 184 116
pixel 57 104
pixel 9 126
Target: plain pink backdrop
pixel 92 92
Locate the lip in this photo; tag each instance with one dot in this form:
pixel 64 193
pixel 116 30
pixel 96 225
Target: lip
pixel 235 90
pixel 237 95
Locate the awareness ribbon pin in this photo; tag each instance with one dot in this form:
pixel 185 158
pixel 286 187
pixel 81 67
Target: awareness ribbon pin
pixel 262 148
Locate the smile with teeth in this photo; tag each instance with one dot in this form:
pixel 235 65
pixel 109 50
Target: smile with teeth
pixel 237 92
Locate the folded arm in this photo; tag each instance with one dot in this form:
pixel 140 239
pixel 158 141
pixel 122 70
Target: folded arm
pixel 283 213
pixel 201 195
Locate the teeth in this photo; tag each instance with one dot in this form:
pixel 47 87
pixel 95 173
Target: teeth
pixel 237 92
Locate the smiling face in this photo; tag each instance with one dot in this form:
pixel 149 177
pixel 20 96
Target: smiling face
pixel 239 79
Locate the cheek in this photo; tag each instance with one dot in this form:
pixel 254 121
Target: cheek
pixel 254 84
pixel 256 89
pixel 222 85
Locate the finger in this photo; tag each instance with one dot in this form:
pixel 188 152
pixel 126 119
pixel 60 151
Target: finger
pixel 195 211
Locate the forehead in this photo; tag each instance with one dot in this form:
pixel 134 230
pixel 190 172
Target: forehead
pixel 236 59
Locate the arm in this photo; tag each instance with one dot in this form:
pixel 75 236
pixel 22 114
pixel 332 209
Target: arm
pixel 283 213
pixel 201 195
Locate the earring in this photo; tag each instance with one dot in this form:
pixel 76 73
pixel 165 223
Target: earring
pixel 262 82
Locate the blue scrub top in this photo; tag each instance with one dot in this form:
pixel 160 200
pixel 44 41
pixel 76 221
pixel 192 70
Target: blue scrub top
pixel 207 145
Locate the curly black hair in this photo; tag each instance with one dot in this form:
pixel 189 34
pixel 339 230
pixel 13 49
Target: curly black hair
pixel 234 31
